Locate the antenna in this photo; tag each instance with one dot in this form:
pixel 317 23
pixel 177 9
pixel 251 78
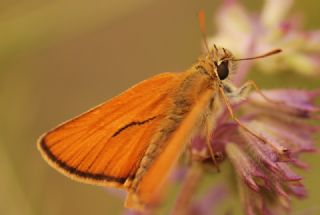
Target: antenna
pixel 272 52
pixel 202 24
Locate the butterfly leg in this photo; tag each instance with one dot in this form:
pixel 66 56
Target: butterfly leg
pixel 240 93
pixel 232 115
pixel 209 129
pixel 206 130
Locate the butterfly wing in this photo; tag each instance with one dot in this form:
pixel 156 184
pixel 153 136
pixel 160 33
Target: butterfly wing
pixel 105 145
pixel 152 182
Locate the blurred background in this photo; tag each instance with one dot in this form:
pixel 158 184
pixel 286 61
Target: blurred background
pixel 59 58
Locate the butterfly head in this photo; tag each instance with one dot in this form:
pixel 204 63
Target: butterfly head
pixel 220 61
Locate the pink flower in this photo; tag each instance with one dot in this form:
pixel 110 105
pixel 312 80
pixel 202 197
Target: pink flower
pixel 265 180
pixel 248 34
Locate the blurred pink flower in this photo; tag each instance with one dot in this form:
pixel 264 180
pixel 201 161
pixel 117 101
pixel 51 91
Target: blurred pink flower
pixel 248 34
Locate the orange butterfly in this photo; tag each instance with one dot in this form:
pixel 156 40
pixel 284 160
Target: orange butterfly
pixel 133 140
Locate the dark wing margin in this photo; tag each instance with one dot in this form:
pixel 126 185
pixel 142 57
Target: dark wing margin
pixel 75 171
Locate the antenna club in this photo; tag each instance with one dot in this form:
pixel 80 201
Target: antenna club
pixel 276 51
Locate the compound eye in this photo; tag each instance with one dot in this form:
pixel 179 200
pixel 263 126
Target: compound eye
pixel 223 70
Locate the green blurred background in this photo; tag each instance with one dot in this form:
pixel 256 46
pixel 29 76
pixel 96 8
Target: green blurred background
pixel 59 58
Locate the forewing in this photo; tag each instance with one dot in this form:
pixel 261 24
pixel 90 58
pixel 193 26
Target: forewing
pixel 152 181
pixel 106 144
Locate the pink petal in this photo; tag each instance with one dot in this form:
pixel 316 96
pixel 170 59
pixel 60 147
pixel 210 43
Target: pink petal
pixel 297 136
pixel 298 190
pixel 288 174
pixel 297 102
pixel 263 153
pixel 274 12
pixel 243 166
pixel 279 190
